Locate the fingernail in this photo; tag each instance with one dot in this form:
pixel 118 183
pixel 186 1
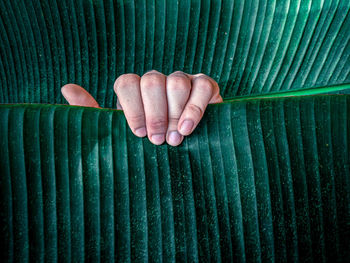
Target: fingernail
pixel 186 127
pixel 141 132
pixel 158 138
pixel 174 138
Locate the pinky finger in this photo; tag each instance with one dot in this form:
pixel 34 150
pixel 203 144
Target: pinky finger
pixel 202 92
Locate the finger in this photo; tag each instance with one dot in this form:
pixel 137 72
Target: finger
pixel 127 88
pixel 204 89
pixel 155 105
pixel 216 97
pixel 76 95
pixel 178 88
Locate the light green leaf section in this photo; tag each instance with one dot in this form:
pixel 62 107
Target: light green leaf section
pixel 265 179
pixel 249 47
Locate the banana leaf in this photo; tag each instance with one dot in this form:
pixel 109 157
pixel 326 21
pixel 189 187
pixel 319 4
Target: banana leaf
pixel 261 179
pixel 248 47
pixel 265 176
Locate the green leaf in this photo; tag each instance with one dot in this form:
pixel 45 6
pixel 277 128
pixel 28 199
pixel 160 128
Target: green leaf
pixel 264 177
pixel 249 47
pixel 260 179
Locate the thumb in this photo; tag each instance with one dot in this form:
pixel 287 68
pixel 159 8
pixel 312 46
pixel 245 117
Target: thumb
pixel 76 95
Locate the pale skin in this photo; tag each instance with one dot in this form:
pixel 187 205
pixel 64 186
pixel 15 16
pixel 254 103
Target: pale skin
pixel 163 108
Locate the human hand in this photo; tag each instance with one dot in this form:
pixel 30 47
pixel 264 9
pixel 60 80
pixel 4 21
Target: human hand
pixel 161 107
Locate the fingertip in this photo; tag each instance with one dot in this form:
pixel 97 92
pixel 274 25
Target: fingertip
pixel 186 127
pixel 70 90
pixel 141 132
pixel 76 95
pixel 65 90
pixel 174 138
pixel 157 139
pixel 70 86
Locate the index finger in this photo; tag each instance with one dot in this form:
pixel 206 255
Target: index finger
pixel 127 88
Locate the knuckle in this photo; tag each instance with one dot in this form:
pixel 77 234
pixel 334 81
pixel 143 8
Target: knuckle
pixel 204 80
pixel 136 119
pixel 174 119
pixel 150 80
pixel 199 75
pixel 126 80
pixel 177 81
pixel 208 82
pixel 127 77
pixel 153 71
pixel 195 110
pixel 157 124
pixel 178 72
pixel 204 84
